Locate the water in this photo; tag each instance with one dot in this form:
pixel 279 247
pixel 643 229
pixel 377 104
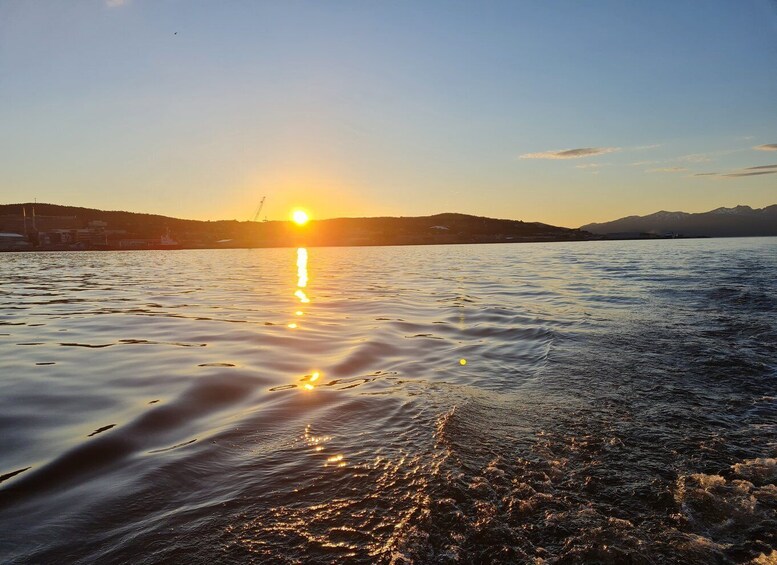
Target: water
pixel 546 403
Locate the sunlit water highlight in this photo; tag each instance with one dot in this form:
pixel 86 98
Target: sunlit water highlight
pixel 593 402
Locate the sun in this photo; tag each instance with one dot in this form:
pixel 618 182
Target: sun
pixel 300 217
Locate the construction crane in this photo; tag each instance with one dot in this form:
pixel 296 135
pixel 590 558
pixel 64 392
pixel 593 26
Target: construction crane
pixel 259 210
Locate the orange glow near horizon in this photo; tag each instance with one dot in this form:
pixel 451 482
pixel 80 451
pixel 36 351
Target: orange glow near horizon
pixel 300 217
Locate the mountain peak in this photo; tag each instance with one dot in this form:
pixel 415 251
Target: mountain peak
pixel 722 222
pixel 735 210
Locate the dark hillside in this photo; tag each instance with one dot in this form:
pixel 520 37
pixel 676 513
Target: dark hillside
pixel 117 229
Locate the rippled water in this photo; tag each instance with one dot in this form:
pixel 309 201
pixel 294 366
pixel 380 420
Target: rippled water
pixel 610 402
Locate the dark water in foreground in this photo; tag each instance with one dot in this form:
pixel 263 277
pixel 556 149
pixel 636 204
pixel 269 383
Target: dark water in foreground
pixel 618 404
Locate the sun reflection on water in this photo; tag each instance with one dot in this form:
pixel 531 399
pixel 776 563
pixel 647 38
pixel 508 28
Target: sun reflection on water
pixel 302 297
pixel 318 444
pixel 314 441
pixel 302 267
pixel 335 460
pixel 302 278
pixel 308 380
pixel 302 281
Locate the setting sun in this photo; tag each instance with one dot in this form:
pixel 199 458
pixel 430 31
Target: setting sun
pixel 300 217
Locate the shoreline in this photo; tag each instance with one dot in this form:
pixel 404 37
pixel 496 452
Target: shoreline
pixel 53 249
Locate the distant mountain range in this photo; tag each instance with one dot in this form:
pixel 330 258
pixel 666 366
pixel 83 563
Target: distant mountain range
pixel 721 222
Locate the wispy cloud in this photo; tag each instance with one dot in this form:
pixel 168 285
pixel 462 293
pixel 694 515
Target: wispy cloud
pixel 750 174
pixel 761 167
pixel 746 172
pixel 766 147
pixel 695 158
pixel 667 170
pixel 692 158
pixel 116 3
pixel 646 147
pixel 588 166
pixel 571 153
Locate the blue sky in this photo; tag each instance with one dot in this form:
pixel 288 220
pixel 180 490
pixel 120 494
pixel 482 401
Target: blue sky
pixel 562 112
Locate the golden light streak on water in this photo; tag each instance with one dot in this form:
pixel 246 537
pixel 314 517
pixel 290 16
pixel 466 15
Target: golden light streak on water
pixel 302 281
pixel 302 267
pixel 314 441
pixel 307 380
pixel 335 459
pixel 302 277
pixel 302 296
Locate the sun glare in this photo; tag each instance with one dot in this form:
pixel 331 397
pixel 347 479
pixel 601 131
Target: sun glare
pixel 300 217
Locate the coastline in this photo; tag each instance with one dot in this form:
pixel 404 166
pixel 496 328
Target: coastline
pixel 52 249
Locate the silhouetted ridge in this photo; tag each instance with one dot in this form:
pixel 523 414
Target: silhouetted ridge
pixel 721 222
pixel 119 229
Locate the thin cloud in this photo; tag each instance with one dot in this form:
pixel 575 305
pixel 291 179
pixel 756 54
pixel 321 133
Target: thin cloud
pixel 668 170
pixel 646 147
pixel 766 147
pixel 751 174
pixel 695 158
pixel 588 166
pixel 571 153
pixel 748 172
pixel 761 167
pixel 692 158
pixel 116 3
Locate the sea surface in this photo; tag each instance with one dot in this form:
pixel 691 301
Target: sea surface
pixel 592 402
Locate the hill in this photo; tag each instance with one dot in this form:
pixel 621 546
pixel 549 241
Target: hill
pixel 721 222
pixel 63 227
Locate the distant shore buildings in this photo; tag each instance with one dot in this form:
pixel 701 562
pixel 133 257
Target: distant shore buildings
pixel 27 230
pixel 13 241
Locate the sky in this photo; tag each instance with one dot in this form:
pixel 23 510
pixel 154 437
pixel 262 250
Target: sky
pixel 563 112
